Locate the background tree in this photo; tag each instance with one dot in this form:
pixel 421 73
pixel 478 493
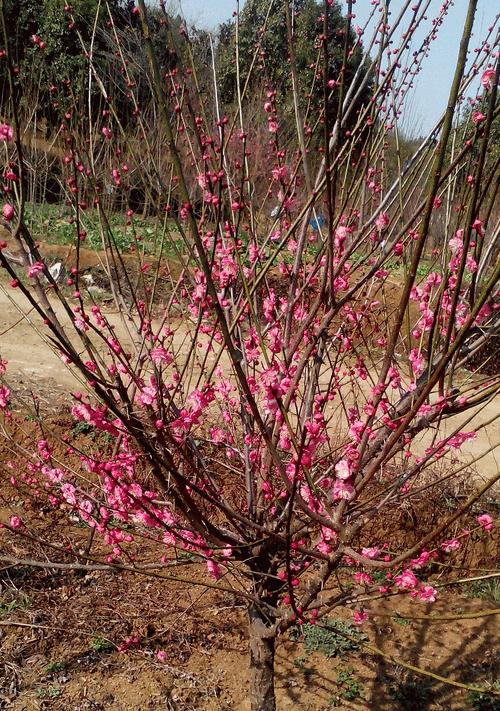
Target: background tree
pixel 263 34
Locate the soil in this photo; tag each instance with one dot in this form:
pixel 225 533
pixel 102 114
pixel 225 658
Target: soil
pixel 61 631
pixel 57 658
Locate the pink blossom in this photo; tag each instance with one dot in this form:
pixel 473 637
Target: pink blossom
pixel 147 395
pixel 161 655
pixel 382 221
pixel 406 580
pixel 4 396
pixel 343 490
pixel 106 132
pixel 36 268
pixel 427 593
pixel 370 552
pixel 341 234
pixel 456 243
pixel 6 132
pixel 280 172
pixel 68 492
pixel 363 578
pixel 485 521
pixel 8 211
pixel 487 79
pixel 477 117
pixel 398 249
pixel 421 561
pixel 356 429
pixel 15 522
pixel 458 440
pixel 451 545
pixel 214 569
pixel 359 617
pixel 160 355
pixel 416 360
pixel 342 469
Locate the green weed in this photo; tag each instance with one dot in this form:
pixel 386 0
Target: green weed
pixel 334 639
pixel 55 667
pixel 101 644
pixel 51 692
pixel 350 688
pixel 21 602
pixel 51 224
pixel 409 691
pixel 484 589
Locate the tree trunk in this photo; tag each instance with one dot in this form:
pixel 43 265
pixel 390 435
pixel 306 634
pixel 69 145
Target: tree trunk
pixel 262 642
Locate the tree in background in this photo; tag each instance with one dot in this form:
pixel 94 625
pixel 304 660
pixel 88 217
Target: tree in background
pixel 264 53
pixel 46 40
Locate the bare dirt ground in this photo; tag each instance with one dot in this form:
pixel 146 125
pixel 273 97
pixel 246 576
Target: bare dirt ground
pixel 60 631
pixel 55 652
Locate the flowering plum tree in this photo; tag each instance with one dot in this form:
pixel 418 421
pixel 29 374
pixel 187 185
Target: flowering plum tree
pixel 294 386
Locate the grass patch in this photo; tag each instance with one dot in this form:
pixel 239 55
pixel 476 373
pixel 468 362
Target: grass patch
pixel 484 590
pixel 51 224
pixel 408 691
pixel 20 602
pixel 484 701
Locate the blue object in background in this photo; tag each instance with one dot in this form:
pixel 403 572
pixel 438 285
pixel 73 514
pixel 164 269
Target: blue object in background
pixel 317 223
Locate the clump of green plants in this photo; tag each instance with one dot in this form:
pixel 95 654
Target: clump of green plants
pixel 101 644
pixel 333 639
pixel 300 664
pixel 350 688
pixel 55 667
pixel 51 223
pixel 20 602
pixel 50 692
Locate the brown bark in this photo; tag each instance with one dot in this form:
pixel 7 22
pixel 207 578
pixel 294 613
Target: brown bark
pixel 262 645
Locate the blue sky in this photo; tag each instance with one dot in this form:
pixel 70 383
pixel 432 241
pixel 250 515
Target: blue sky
pixel 431 92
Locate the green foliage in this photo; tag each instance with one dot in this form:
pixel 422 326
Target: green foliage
pixel 485 590
pixel 335 639
pixel 55 667
pixel 49 223
pixel 20 602
pixel 81 428
pixel 300 663
pixel 273 62
pixel 101 644
pixel 350 687
pixel 50 692
pixel 62 61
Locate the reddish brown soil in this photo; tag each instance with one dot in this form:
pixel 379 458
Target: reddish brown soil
pixel 51 662
pixel 60 630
